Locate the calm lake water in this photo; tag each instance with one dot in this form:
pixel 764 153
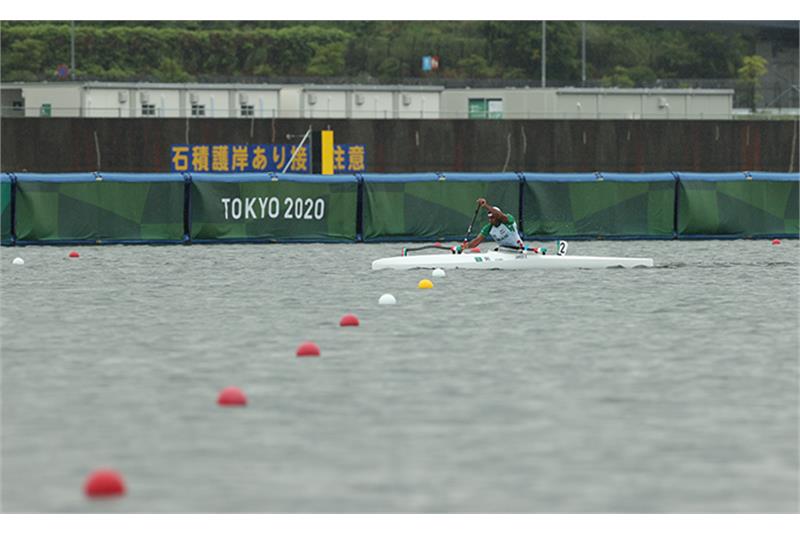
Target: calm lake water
pixel 672 389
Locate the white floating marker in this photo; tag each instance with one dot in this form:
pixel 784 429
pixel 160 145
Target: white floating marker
pixel 387 298
pixel 438 272
pixel 18 261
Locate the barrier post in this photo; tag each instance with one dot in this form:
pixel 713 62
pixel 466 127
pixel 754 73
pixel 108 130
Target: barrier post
pixel 187 208
pixel 359 208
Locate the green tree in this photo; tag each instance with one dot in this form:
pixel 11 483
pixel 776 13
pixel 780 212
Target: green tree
pixel 25 60
pixel 171 71
pixel 750 73
pixel 610 46
pixel 620 53
pixel 389 69
pixel 629 77
pixel 328 60
pixel 475 66
pixel 619 77
pixel 563 51
pixel 671 54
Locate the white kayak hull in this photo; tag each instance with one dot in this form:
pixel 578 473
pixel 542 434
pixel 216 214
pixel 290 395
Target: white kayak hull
pixel 505 260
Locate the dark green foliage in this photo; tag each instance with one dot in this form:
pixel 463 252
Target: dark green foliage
pixel 180 51
pixel 168 53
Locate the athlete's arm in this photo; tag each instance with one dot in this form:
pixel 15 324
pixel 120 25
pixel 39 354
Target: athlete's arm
pixel 497 213
pixel 475 242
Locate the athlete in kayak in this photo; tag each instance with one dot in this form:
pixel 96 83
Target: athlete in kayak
pixel 501 227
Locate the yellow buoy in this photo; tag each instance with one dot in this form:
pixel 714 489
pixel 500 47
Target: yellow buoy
pixel 425 284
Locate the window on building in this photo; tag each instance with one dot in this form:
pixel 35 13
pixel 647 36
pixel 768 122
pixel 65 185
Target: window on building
pixel 248 111
pixel 198 110
pixel 485 108
pixel 148 110
pixel 18 105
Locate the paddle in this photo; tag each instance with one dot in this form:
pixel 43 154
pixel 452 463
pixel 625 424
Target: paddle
pixel 423 247
pixel 535 250
pixel 475 216
pixel 439 245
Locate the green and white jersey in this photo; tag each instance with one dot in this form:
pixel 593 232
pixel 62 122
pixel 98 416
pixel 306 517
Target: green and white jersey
pixel 505 234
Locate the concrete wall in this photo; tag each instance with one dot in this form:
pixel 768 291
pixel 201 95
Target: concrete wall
pixel 518 103
pixel 167 102
pixel 614 104
pixel 372 104
pixel 64 145
pixel 217 104
pixel 648 104
pixel 64 102
pixel 417 105
pixel 291 102
pixel 13 103
pixel 324 103
pixel 109 103
pixel 367 102
pixel 265 103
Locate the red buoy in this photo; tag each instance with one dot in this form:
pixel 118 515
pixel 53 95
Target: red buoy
pixel 74 254
pixel 776 241
pixel 437 244
pixel 104 483
pixel 349 320
pixel 231 396
pixel 308 349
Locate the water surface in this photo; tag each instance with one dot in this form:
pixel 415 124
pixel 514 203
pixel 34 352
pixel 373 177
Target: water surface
pixel 672 389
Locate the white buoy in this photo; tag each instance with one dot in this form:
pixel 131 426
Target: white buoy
pixel 438 272
pixel 387 298
pixel 18 261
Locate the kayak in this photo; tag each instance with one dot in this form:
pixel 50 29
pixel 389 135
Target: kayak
pixel 511 260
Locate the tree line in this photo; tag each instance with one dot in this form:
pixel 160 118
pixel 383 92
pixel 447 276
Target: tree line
pixel 618 54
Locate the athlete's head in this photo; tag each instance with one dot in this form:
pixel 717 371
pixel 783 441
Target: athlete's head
pixel 493 219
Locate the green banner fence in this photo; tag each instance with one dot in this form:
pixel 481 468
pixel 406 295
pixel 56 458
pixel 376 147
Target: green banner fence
pixel 6 207
pixel 599 205
pixel 99 208
pixel 751 204
pixel 95 208
pixel 246 207
pixel 405 207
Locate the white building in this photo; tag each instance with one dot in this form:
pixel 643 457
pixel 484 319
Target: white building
pixel 365 102
pixel 125 100
pixel 595 103
pixel 156 100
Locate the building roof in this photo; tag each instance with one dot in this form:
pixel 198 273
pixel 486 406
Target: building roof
pixel 642 91
pixel 229 86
